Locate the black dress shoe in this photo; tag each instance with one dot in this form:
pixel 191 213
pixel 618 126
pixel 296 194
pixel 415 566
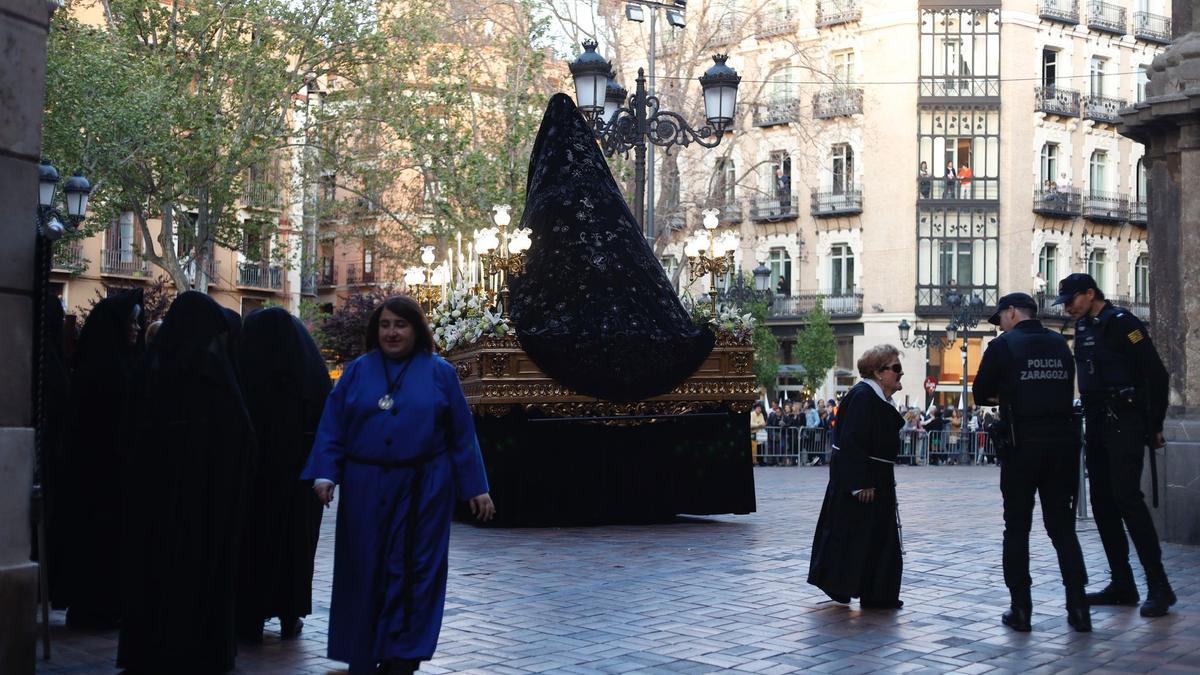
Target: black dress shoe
pixel 1080 619
pixel 1159 599
pixel 290 627
pixel 1017 618
pixel 881 604
pixel 1115 594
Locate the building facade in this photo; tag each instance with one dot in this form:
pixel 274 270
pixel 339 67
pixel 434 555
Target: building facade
pixel 891 156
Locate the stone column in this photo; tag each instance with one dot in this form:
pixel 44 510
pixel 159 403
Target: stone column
pixel 23 31
pixel 1167 122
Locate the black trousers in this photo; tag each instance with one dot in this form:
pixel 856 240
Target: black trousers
pixel 1116 450
pixel 1047 466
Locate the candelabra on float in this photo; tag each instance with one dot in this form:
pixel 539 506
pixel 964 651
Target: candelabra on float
pixel 426 282
pixel 501 253
pixel 711 253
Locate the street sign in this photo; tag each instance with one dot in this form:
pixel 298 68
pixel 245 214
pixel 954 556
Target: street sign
pixel 930 384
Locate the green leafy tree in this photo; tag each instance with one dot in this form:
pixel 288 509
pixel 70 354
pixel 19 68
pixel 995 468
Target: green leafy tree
pixel 816 349
pixel 766 349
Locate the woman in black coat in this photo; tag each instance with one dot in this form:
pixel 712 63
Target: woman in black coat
pixel 856 551
pixel 285 383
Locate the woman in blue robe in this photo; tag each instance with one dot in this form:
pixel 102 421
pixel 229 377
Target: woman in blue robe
pixel 398 436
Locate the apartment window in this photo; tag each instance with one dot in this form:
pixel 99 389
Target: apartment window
pixel 843 66
pixel 120 237
pixel 1096 76
pixel 1049 67
pixel 368 260
pixel 781 175
pixel 782 84
pixel 960 52
pixel 1143 78
pixel 841 269
pixel 328 188
pixel 957 248
pixel 842 168
pixel 1097 266
pixel 953 136
pixel 1048 263
pixel 724 189
pixel 1140 194
pixel 669 263
pixel 1097 172
pixel 955 264
pixel 781 270
pixel 1141 279
pixel 1049 163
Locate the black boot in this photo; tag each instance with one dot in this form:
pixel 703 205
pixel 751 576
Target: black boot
pixel 1159 599
pixel 1017 618
pixel 290 627
pixel 1078 613
pixel 1115 593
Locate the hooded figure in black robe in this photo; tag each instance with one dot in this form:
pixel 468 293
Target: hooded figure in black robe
pixel 594 308
pixel 856 551
pixel 100 437
pixel 285 383
pixel 56 411
pixel 186 498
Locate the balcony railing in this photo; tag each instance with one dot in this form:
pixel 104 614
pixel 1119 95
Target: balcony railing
pixel 1105 207
pixel 940 86
pixel 308 283
pixel 258 275
pixel 837 102
pixel 777 22
pixel 1057 203
pixel 731 212
pixel 124 262
pixel 68 257
pixel 771 209
pixel 1140 308
pixel 1137 211
pixel 263 196
pixel 1047 310
pixel 1063 11
pixel 725 33
pixel 1103 109
pixel 326 278
pixel 836 203
pixel 211 269
pixel 939 189
pixel 1056 101
pixel 778 111
pixel 1152 27
pixel 674 221
pixel 931 299
pixel 833 12
pixel 1106 17
pixel 840 305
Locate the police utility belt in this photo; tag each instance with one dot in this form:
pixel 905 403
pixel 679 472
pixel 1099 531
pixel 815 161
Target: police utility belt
pixel 1114 399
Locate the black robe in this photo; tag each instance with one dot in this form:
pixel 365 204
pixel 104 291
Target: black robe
pixel 285 383
pixel 856 549
pixel 56 407
pixel 100 436
pixel 594 308
pixel 185 498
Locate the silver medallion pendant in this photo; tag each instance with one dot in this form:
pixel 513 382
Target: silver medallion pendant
pixel 385 402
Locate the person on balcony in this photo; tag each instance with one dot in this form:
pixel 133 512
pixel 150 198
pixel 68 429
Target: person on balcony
pixel 924 181
pixel 965 175
pixel 950 177
pixel 856 551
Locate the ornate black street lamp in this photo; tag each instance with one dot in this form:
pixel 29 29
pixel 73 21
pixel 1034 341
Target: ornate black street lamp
pixel 966 315
pixel 621 128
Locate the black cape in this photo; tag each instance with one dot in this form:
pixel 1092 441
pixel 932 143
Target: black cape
pixel 185 500
pixel 56 410
pixel 856 550
pixel 594 308
pixel 285 383
pixel 100 437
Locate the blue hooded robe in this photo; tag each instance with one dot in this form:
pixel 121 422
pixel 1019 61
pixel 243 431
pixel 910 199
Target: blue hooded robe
pixel 401 471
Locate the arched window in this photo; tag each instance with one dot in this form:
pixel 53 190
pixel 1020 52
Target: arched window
pixel 1097 266
pixel 1098 173
pixel 1049 163
pixel 1048 264
pixel 1141 279
pixel 1140 189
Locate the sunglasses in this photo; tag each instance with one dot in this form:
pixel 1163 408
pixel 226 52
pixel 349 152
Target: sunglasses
pixel 895 368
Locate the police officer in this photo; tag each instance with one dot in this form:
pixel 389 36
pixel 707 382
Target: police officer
pixel 1029 371
pixel 1123 385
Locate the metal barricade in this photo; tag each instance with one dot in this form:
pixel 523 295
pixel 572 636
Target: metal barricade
pixel 811 446
pixel 792 446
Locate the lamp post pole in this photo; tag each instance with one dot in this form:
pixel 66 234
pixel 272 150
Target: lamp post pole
pixel 966 315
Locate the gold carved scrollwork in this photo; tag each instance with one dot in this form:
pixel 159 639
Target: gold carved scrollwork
pixel 741 362
pixel 499 365
pixel 464 369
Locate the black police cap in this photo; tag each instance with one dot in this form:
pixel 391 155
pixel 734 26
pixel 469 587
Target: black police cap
pixel 1022 300
pixel 1072 285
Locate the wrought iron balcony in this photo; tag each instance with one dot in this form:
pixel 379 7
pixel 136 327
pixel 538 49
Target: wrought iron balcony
pixel 1064 203
pixel 940 86
pixel 833 12
pixel 308 283
pixel 1139 307
pixel 777 111
pixel 772 209
pixel 211 268
pixel 326 278
pixel 1103 109
pixel 836 203
pixel 1137 211
pixel 1152 27
pixel 1105 207
pixel 725 33
pixel 263 196
pixel 1063 11
pixel 1106 17
pixel 837 102
pixel 938 189
pixel 731 211
pixel 777 22
pixel 1046 310
pixel 1056 101
pixel 68 257
pixel 840 305
pixel 260 275
pixel 931 299
pixel 674 221
pixel 124 262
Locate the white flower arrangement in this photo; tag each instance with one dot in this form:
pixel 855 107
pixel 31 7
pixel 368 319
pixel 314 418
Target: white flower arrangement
pixel 465 318
pixel 729 322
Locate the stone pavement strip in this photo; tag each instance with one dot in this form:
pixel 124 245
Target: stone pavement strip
pixel 727 594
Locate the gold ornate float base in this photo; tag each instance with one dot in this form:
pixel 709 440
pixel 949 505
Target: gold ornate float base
pixel 498 376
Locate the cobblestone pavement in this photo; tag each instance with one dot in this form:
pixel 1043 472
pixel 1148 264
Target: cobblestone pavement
pixel 727 594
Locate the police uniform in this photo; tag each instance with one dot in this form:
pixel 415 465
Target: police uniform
pixel 1029 371
pixel 1123 385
